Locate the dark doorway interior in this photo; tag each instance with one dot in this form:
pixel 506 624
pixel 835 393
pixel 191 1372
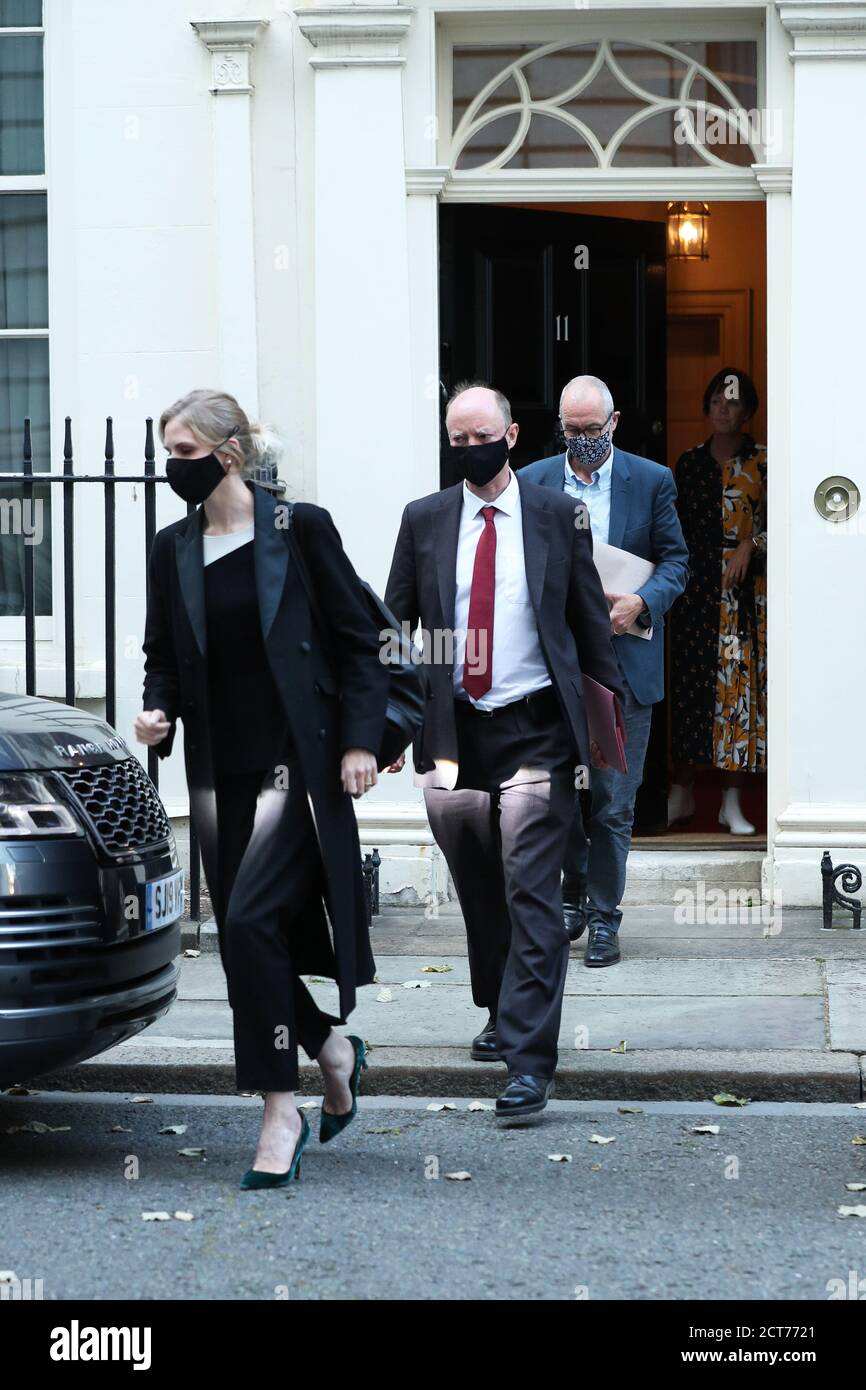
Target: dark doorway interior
pixel 529 299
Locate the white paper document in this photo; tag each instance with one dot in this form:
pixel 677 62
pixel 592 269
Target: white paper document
pixel 622 573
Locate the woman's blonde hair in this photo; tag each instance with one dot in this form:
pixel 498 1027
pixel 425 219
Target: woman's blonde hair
pixel 212 415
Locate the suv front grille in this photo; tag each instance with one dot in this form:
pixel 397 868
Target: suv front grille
pixel 37 926
pixel 120 804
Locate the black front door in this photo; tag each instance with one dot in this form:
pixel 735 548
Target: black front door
pixel 529 299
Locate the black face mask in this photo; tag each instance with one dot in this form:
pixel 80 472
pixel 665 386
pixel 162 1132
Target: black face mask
pixel 195 479
pixel 479 463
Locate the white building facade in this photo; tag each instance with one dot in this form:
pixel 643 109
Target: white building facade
pixel 246 196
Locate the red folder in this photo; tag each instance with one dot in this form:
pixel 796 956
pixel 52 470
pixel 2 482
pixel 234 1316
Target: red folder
pixel 605 721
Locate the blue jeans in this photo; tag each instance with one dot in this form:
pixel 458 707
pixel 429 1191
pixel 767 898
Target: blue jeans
pixel 595 864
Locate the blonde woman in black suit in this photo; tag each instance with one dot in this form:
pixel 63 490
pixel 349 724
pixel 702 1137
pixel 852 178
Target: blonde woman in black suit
pixel 271 729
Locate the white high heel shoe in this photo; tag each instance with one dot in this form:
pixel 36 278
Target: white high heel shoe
pixel 731 815
pixel 681 803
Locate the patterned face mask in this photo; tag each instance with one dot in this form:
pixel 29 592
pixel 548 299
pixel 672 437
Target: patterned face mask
pixel 586 453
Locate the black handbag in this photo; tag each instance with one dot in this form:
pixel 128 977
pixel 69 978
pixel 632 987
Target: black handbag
pixel 409 684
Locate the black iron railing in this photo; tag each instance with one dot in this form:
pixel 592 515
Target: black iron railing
pixel 108 478
pixel 67 481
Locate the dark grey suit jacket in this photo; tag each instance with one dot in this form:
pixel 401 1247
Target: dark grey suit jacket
pixel 567 598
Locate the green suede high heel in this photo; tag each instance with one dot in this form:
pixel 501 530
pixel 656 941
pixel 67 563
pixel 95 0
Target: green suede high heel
pixel 255 1177
pixel 330 1125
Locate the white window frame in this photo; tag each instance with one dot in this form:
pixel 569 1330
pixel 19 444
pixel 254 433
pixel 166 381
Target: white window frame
pixel 575 185
pixel 12 628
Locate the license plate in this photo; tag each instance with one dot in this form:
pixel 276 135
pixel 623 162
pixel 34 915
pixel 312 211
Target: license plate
pixel 163 901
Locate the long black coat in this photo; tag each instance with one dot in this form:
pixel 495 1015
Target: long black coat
pixel 328 709
pixel 567 598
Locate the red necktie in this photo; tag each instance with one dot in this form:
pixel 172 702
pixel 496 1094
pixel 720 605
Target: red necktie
pixel 478 678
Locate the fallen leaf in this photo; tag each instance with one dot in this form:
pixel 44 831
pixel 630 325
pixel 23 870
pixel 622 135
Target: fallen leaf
pixel 384 1129
pixel 559 1158
pixel 851 1211
pixel 620 1047
pixel 856 1186
pixel 141 1100
pixel 859 1139
pixel 600 1139
pixel 479 1105
pixel 172 1129
pixel 706 1129
pixel 441 1105
pixel 190 1153
pixel 417 984
pixel 155 1216
pixel 725 1098
pixel 459 1177
pixel 595 1167
pixel 191 953
pixel 384 996
pixel 119 1129
pixel 629 1110
pixel 183 1216
pixel 309 1105
pixel 436 969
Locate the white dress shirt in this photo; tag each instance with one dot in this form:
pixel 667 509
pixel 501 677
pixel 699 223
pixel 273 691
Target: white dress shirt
pixel 519 667
pixel 595 493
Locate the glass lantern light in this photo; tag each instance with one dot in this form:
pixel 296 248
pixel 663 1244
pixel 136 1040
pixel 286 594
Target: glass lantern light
pixel 688 232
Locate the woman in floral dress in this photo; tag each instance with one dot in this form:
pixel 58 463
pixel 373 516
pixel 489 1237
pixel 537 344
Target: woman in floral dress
pixel 719 624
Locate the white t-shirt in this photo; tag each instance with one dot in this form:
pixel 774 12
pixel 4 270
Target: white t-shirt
pixel 217 546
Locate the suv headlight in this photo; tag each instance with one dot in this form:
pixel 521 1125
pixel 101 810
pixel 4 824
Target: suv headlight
pixel 29 807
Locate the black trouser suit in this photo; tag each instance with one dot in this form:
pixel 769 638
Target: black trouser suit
pixel 268 853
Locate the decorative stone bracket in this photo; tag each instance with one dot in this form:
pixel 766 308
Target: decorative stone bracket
pixel 355 35
pixel 230 42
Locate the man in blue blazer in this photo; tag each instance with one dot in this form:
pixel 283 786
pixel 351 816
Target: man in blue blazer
pixel 632 505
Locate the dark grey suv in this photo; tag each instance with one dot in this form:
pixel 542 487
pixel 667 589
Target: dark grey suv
pixel 91 891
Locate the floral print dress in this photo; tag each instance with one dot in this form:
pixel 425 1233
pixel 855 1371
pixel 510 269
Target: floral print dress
pixel 719 635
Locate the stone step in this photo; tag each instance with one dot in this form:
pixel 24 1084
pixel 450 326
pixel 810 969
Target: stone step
pixel 655 876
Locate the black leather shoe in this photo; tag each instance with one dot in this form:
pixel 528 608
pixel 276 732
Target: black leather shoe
pixel 524 1096
pixel 485 1047
pixel 574 917
pixel 602 948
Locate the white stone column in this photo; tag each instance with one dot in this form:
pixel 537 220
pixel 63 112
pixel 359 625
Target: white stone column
pixel 775 180
pixel 230 43
pixel 363 349
pixel 819 588
pixel 376 430
pixel 423 188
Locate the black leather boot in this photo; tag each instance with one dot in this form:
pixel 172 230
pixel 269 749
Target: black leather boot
pixel 485 1047
pixel 574 909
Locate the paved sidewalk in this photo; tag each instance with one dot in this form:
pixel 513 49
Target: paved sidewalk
pixel 691 1010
